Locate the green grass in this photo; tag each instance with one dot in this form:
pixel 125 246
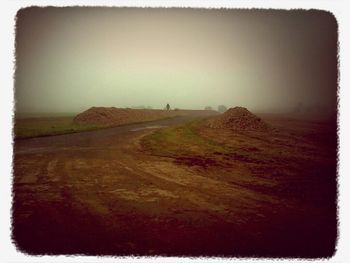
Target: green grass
pixel 180 141
pixel 36 127
pixel 185 142
pixel 22 115
pixel 48 126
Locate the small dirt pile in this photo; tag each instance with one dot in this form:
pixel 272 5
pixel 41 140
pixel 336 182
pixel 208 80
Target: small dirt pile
pixel 239 118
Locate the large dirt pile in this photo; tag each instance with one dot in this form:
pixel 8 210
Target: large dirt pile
pixel 116 116
pixel 239 118
pixel 113 116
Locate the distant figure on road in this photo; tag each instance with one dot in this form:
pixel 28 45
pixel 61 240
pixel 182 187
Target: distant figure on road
pixel 168 106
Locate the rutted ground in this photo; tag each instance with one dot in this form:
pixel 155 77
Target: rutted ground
pixel 237 194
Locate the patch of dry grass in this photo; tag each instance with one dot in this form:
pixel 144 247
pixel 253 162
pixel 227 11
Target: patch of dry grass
pixel 179 142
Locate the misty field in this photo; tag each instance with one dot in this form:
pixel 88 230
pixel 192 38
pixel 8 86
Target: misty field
pixel 196 132
pixel 179 190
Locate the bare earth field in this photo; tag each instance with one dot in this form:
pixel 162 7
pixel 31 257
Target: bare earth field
pixel 177 187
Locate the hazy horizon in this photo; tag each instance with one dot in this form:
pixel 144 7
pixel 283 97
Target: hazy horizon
pixel 70 59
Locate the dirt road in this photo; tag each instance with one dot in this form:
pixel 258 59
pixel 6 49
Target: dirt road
pixel 92 138
pixel 97 192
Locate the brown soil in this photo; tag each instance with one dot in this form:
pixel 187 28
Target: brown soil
pixel 239 118
pixel 117 116
pixel 99 192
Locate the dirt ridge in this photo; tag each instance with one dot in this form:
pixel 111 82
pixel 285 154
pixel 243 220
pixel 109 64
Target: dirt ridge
pixel 115 116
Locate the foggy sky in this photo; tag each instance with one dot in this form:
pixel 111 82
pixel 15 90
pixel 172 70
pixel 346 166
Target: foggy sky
pixel 69 59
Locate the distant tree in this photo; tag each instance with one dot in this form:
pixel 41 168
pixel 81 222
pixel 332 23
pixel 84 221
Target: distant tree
pixel 168 106
pixel 222 108
pixel 208 108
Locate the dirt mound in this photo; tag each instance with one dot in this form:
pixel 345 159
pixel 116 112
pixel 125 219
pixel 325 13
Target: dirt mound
pixel 116 116
pixel 239 118
pixel 113 116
